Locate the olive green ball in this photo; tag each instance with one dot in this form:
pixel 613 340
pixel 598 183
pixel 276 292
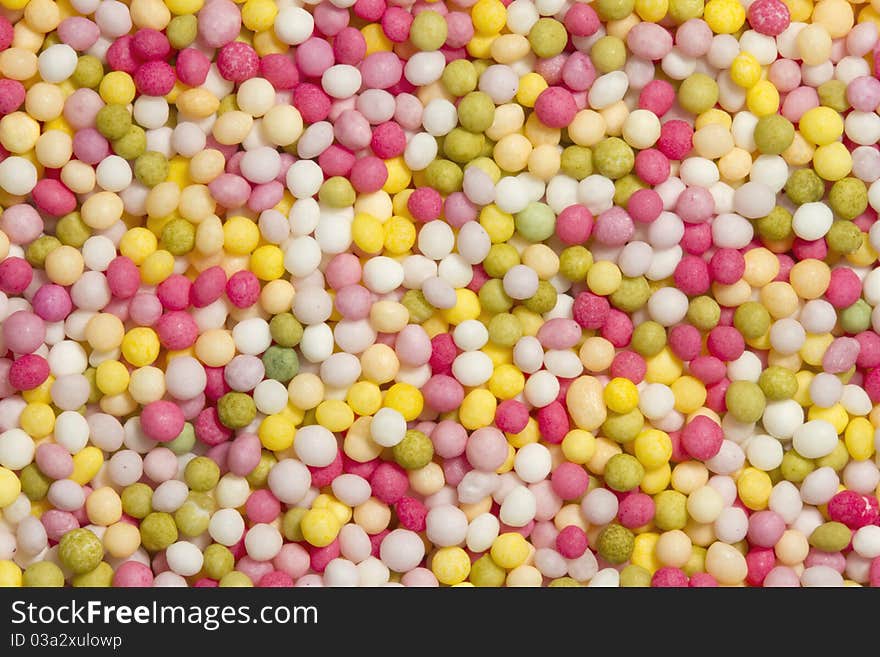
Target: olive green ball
pixel 773 134
pixel 704 313
pixel 72 230
pixel 113 121
pixel 236 410
pixel 501 258
pixel 476 111
pixel 201 474
pixel 260 474
pixel 280 363
pixel 778 383
pixel 577 162
pixel 795 467
pixel 670 510
pixel 88 73
pixel 648 339
pixel 752 320
pixel 613 158
pixel 132 144
pixel 623 473
pixel 100 577
pixel 833 94
pixel 158 531
pixel 698 93
pixel 848 198
pixel 831 537
pixel 337 192
pixel 493 298
pixel 459 77
pixel 182 31
pixel 286 329
pixel 413 452
pixel 634 576
pixel 34 483
pixel 608 54
pixel 548 37
pixel 486 573
pixel 505 329
pixel 631 295
pixel 536 222
pixel 804 186
pixel 574 263
pixel 745 401
pixel 615 544
pixel 178 236
pixel 776 225
pixel 137 500
pixel 80 551
pixel 856 318
pixel 844 237
pixel 218 561
pixel 417 306
pixel 185 440
pixel 544 300
pixel 194 515
pixel 428 31
pixel 41 247
pixel 444 175
pixel 42 574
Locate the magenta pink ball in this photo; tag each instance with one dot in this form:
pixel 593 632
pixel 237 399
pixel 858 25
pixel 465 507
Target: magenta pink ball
pixel 162 420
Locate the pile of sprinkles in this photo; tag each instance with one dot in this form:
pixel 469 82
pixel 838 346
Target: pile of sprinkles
pixel 439 293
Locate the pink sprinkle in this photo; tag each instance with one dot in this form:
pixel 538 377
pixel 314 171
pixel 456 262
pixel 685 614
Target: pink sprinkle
pixel 154 78
pixel 629 365
pixel 162 420
pixel 511 416
pixel 389 482
pixel 411 513
pixel 173 292
pixel 208 287
pixel 845 287
pixel 28 372
pixel 119 55
pixel 555 107
pixel 311 101
pixel 123 277
pixel 685 341
pixel 571 542
pixel 635 510
pixel 652 166
pixel 614 227
pixel 243 289
pixel 691 275
pixel 149 44
pixel 238 62
pixel 279 70
pixel 581 20
pixel 177 330
pixel 669 577
pixel 618 328
pixel 769 17
pixel 759 561
pixel 676 139
pixel 702 438
pixel 726 343
pixel 569 481
pixel 425 204
pixel 192 67
pixel 553 422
